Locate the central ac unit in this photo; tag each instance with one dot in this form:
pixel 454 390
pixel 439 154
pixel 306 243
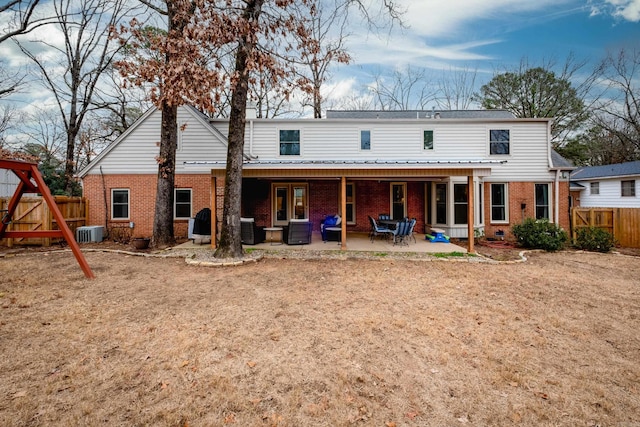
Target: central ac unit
pixel 91 233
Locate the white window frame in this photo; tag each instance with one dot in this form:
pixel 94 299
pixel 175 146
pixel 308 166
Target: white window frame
pixel 370 139
pixel 549 198
pixel 128 204
pixel 175 203
pixel 352 203
pixel 290 186
pixel 632 188
pixel 506 203
pixel 456 204
pixel 509 143
pixel 433 139
pixel 594 188
pixel 299 142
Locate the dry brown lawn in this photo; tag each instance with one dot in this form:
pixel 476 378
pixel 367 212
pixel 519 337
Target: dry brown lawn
pixel 553 341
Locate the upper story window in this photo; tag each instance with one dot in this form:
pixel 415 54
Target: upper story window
pixel 120 203
pixel 365 140
pixel 290 142
pixel 182 203
pixel 499 141
pixel 628 188
pixel 427 137
pixel 595 188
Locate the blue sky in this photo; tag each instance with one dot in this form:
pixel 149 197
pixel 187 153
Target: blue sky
pixel 493 36
pixel 486 35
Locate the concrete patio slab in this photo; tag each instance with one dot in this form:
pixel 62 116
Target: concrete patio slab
pixel 355 242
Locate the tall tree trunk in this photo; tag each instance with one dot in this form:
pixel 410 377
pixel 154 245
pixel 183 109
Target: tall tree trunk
pixel 230 239
pixel 69 168
pixel 163 217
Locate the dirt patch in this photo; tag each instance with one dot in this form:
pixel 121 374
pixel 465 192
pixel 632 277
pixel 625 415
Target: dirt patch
pixel 288 342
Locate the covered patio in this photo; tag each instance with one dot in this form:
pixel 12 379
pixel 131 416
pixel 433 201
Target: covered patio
pixel 358 242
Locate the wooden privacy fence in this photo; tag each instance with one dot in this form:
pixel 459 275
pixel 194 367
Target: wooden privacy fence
pixel 623 223
pixel 33 213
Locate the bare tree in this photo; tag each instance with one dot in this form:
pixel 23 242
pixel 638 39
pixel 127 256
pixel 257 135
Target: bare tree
pixel 21 13
pixel 251 30
pixel 87 52
pixel 456 89
pixel 618 111
pixel 406 89
pixel 8 115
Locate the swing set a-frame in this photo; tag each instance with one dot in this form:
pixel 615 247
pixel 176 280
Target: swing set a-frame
pixel 31 181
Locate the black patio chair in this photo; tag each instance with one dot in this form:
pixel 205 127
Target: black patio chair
pixel 297 232
pixel 250 233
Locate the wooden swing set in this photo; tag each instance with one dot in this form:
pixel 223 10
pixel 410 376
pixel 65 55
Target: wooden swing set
pixel 31 181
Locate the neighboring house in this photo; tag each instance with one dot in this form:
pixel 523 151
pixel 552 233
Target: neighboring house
pixel 8 183
pixel 608 186
pixel 407 164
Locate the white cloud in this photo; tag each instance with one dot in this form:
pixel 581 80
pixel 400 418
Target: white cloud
pixel 452 18
pixel 628 10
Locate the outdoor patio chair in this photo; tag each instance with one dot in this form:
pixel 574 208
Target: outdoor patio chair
pixel 334 221
pixel 401 232
pixel 384 216
pixel 250 233
pixel 377 230
pixel 298 232
pixel 412 225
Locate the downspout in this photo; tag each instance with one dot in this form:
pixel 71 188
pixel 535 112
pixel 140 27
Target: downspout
pixel 251 140
pixel 556 191
pixel 556 196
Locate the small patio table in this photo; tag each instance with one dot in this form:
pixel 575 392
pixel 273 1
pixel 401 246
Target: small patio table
pixel 272 230
pixel 389 223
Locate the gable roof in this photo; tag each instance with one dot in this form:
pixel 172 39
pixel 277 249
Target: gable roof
pixel 607 171
pixel 419 114
pixel 204 120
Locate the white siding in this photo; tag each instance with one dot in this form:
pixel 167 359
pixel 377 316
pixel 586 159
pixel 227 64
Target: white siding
pixel 8 183
pixel 403 140
pixel 334 139
pixel 610 194
pixel 136 153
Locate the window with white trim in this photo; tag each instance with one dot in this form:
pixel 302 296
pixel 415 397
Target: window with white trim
pixel 119 203
pixel 595 188
pixel 460 204
pixel 350 215
pixel 182 203
pixel 499 202
pixel 542 201
pixel 427 138
pixel 365 140
pixel 499 140
pixel 290 201
pixel 628 188
pixel 289 142
pixel 441 203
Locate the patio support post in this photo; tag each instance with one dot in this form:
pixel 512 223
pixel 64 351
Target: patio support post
pixel 470 214
pixel 214 223
pixel 343 210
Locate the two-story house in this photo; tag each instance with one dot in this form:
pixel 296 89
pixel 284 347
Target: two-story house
pixel 462 171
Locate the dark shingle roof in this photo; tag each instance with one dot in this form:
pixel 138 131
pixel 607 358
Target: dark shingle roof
pixel 560 162
pixel 419 114
pixel 607 171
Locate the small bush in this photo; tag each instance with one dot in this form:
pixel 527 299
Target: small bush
pixel 594 239
pixel 540 234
